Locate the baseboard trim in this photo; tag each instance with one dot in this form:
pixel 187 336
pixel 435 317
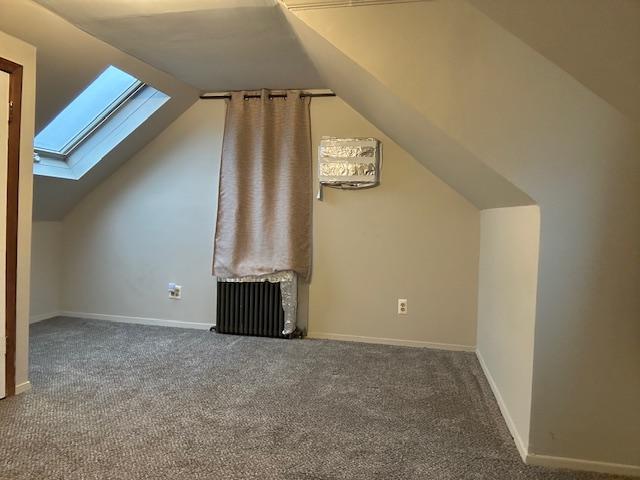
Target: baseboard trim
pixel 158 322
pixel 391 341
pixel 583 465
pixel 43 316
pixel 520 444
pixel 548 460
pixel 23 387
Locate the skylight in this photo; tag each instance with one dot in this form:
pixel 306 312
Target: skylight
pixel 101 117
pixel 96 102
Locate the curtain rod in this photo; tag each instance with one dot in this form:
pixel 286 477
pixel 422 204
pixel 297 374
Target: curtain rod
pixel 274 95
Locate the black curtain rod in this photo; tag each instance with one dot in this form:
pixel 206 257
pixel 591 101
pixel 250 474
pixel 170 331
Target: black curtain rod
pixel 274 95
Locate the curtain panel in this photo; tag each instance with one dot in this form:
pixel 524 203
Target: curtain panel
pixel 263 223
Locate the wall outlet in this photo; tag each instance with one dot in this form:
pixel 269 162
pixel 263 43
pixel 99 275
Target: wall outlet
pixel 402 306
pixel 175 291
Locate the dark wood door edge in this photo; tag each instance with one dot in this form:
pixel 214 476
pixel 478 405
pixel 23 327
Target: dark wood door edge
pixel 13 176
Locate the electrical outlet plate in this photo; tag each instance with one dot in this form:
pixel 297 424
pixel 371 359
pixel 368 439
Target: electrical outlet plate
pixel 402 306
pixel 175 291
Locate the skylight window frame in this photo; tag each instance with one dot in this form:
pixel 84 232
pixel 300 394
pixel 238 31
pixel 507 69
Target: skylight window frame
pixel 64 153
pixel 102 117
pixel 105 139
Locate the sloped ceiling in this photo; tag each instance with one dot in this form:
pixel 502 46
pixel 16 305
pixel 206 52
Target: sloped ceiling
pixel 214 45
pixel 68 59
pixel 217 45
pixel 427 143
pixel 594 41
pixel 180 47
pixel 251 44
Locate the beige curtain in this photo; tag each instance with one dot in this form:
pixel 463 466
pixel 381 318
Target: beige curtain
pixel 264 200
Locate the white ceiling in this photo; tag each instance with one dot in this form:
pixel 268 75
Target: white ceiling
pixel 402 122
pixel 595 41
pixel 214 45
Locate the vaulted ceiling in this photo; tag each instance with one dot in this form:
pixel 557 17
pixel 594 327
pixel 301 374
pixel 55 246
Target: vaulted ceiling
pixel 219 45
pixel 185 47
pixel 68 59
pixel 594 41
pixel 179 47
pixel 213 45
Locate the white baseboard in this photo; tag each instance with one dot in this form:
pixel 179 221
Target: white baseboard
pixel 43 316
pixel 521 445
pixel 392 341
pixel 547 460
pixel 23 387
pixel 158 322
pixel 583 465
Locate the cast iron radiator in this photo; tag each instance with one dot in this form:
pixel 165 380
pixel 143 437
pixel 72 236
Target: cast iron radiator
pixel 250 308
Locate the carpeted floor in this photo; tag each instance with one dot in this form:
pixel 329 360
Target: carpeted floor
pixel 127 402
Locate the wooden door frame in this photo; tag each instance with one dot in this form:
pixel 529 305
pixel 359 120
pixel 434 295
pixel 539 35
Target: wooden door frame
pixel 13 180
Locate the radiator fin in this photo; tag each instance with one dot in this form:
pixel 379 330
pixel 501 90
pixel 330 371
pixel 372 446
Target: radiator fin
pixel 250 308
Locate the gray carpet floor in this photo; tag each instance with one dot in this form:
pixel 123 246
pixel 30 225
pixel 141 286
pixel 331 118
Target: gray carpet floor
pixel 117 401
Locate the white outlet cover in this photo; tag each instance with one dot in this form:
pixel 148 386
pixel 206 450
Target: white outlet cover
pixel 402 306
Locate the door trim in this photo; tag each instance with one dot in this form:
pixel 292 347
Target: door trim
pixel 13 179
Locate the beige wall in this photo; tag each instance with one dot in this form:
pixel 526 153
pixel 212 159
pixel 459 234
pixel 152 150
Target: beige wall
pixel 570 151
pixel 25 55
pixel 508 281
pixel 149 224
pixel 46 270
pixel 412 237
pixel 153 221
